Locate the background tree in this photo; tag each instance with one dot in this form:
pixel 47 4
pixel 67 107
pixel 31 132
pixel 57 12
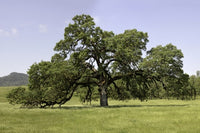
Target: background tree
pixel 194 86
pixel 165 64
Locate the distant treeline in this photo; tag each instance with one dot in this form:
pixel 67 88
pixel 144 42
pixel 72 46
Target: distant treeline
pixel 14 79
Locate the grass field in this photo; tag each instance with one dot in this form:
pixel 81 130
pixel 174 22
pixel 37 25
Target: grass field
pixel 168 116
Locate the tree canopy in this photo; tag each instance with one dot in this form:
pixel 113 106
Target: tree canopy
pixel 165 65
pixel 92 61
pixel 106 56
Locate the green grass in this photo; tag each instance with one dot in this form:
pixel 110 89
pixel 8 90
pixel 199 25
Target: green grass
pixel 3 92
pixel 168 116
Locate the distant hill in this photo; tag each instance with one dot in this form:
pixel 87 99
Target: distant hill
pixel 14 79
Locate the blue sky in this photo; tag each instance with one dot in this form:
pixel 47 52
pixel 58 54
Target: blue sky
pixel 29 29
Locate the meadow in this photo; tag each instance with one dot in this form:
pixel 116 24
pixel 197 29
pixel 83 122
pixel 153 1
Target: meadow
pixel 153 116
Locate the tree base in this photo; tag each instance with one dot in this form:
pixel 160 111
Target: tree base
pixel 103 99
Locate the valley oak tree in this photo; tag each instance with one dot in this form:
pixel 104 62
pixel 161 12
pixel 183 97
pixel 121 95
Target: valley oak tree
pixel 90 60
pixel 109 57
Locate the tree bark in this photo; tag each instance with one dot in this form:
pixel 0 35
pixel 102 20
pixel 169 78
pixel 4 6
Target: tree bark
pixel 103 96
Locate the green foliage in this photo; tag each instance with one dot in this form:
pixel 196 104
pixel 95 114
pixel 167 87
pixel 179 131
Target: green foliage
pixel 54 82
pixel 88 94
pixel 119 92
pixel 16 96
pixel 50 83
pixel 165 64
pixel 194 86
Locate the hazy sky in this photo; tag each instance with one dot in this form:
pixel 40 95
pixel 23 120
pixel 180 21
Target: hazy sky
pixel 29 29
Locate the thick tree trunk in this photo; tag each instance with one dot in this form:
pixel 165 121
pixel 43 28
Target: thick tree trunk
pixel 103 96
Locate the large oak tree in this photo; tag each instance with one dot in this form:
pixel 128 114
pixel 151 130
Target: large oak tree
pixel 90 58
pixel 109 57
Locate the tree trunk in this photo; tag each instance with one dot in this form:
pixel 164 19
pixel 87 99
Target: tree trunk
pixel 195 93
pixel 103 96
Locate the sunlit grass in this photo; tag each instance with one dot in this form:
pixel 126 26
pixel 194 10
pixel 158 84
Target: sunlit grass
pixel 168 116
